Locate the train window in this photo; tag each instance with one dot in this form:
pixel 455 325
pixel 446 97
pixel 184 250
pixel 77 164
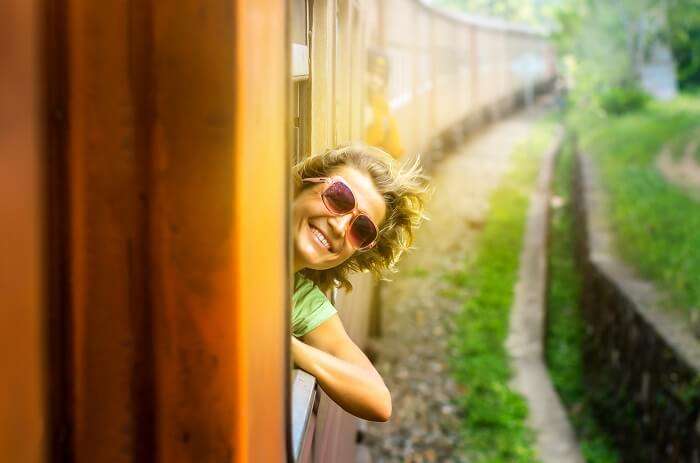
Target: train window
pixel 425 74
pixel 300 36
pixel 300 122
pixel 299 18
pixel 299 22
pixel 400 87
pixel 350 62
pixel 358 63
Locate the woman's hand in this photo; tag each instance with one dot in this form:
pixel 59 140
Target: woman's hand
pixel 343 371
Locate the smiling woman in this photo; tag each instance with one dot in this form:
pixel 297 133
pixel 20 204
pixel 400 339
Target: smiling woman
pixel 355 210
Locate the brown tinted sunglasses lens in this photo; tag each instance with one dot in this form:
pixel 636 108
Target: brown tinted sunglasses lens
pixel 362 232
pixel 339 198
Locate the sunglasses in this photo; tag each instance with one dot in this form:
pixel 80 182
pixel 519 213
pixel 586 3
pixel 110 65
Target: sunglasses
pixel 339 200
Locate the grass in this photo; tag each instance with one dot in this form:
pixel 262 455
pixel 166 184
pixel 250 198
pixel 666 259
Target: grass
pixel 656 223
pixel 494 428
pixel 679 143
pixel 565 326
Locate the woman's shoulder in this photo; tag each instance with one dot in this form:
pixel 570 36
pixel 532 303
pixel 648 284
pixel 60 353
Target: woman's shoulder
pixel 310 306
pixel 301 281
pixel 305 289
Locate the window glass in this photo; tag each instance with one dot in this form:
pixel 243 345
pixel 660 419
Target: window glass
pixel 299 22
pixel 300 122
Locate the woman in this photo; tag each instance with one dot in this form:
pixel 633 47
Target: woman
pixel 355 209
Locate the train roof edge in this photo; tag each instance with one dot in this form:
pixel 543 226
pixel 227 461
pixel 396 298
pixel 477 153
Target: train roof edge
pixel 481 21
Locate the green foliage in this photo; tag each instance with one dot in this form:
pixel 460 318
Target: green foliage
pixel 680 143
pixel 494 415
pixel 655 223
pixel 620 100
pixel 565 326
pixel 417 272
pixel 605 44
pixel 684 33
pixel 689 393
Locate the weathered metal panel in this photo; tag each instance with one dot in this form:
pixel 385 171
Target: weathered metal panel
pixel 336 433
pixel 177 266
pixel 260 211
pixel 23 412
pixel 107 164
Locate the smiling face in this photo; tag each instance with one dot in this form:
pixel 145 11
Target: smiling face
pixel 320 239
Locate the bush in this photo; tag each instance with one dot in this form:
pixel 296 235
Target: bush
pixel 622 100
pixel 684 34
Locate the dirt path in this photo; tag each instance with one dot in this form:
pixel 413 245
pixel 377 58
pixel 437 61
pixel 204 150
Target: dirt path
pixel 417 317
pixel 685 172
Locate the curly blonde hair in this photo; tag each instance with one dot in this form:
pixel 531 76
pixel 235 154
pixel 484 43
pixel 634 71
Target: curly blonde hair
pixel 404 188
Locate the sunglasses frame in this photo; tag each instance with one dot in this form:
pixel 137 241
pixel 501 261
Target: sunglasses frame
pixel 330 181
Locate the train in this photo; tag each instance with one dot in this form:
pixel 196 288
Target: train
pixel 145 195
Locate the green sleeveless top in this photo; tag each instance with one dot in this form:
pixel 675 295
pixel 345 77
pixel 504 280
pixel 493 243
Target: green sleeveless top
pixel 310 307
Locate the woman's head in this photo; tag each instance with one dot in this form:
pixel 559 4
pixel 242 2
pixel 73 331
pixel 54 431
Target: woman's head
pixel 391 195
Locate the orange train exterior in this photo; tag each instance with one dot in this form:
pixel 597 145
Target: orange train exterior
pixel 145 278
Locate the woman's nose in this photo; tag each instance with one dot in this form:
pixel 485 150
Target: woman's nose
pixel 340 223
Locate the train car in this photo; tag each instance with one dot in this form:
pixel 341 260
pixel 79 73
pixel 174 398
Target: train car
pixel 409 78
pixel 449 70
pixel 145 200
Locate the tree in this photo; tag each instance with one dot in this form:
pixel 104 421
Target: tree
pixel 684 35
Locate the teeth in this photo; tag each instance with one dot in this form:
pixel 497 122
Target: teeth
pixel 320 237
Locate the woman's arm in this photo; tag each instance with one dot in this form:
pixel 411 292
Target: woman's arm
pixel 343 371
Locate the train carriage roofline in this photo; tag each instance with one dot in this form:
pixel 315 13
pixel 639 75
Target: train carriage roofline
pixel 483 22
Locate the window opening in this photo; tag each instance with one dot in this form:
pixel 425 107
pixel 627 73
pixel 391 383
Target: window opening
pixel 299 17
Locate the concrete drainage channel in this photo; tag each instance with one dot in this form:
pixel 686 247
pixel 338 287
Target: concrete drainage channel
pixel 641 358
pixel 556 442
